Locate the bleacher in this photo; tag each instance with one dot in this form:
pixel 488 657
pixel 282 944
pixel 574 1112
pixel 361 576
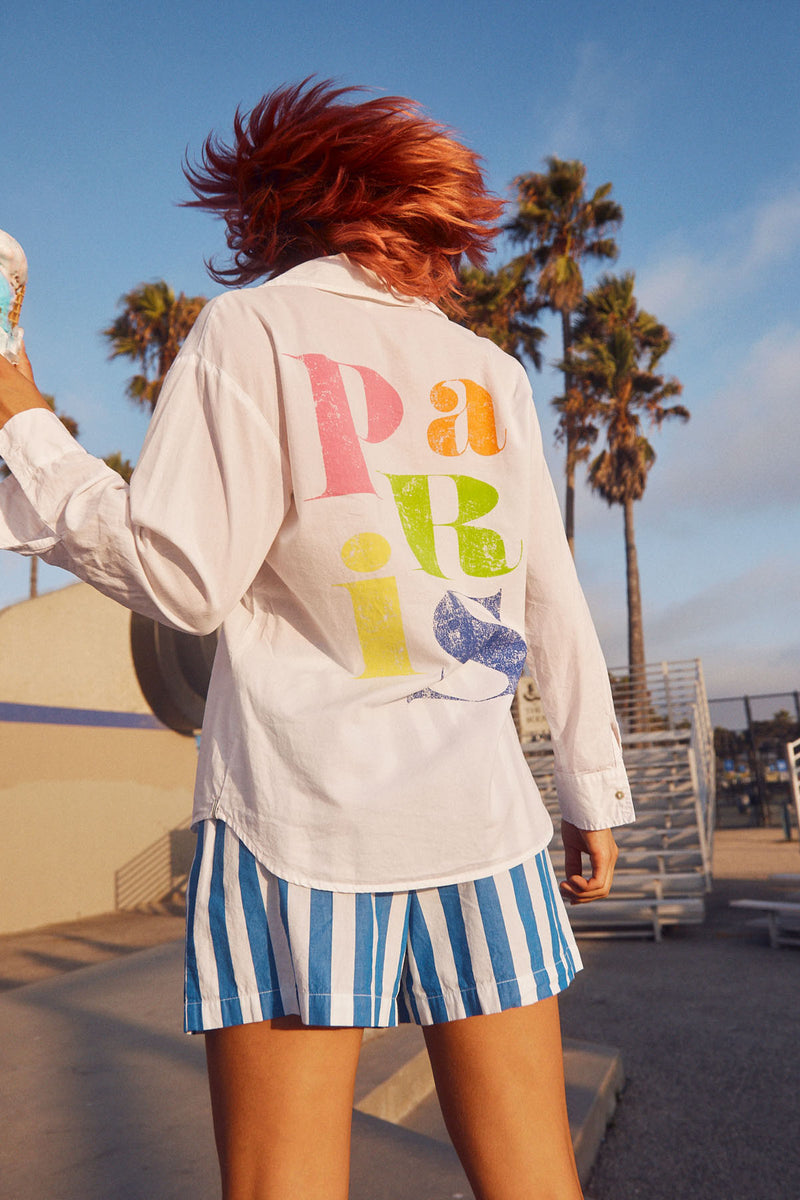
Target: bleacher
pixel 664 866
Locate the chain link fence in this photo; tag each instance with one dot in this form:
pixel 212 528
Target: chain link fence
pixel 751 734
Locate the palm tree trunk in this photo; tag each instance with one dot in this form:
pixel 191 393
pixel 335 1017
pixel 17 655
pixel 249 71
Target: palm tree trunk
pixel 569 503
pixel 636 672
pixel 34 588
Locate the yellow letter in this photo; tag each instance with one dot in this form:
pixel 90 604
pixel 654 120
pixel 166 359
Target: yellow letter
pixel 376 607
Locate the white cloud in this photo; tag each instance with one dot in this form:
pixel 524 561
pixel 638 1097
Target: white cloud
pixel 735 256
pixel 752 669
pixel 744 628
pixel 775 230
pixel 594 107
pixel 740 451
pixel 768 588
pixel 676 284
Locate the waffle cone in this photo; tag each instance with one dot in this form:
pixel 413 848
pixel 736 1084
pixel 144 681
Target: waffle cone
pixel 16 307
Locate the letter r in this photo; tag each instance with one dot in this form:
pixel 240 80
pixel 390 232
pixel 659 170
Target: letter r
pixel 481 551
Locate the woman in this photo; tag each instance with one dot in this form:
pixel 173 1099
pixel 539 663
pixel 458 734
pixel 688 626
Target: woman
pixel 354 489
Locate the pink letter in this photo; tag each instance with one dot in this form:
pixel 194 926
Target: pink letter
pixel 345 469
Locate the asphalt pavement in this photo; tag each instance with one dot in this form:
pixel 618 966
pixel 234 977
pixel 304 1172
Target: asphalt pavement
pixel 708 1026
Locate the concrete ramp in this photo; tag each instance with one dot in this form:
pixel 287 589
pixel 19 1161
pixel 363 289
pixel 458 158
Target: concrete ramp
pixel 104 1096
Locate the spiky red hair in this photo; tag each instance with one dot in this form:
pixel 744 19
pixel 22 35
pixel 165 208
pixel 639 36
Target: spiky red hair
pixel 309 175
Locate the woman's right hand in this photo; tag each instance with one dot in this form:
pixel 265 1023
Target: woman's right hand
pixel 18 392
pixel 602 850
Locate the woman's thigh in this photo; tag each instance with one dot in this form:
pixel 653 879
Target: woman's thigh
pixel 282 1098
pixel 500 1082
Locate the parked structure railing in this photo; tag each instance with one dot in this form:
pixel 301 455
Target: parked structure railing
pixel 667 701
pixel 157 871
pixel 665 859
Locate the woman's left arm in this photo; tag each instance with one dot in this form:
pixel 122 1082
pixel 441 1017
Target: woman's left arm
pixel 185 540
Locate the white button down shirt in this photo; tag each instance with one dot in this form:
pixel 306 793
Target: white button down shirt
pixel 354 488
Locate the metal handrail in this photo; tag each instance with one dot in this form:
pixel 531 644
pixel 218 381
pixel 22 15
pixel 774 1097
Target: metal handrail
pixel 666 702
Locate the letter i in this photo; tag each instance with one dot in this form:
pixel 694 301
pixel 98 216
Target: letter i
pixel 376 607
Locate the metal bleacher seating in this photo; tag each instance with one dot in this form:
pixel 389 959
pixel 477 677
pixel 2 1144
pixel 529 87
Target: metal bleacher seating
pixel 664 866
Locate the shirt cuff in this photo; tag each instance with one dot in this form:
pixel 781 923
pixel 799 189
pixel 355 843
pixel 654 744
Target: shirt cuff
pixel 595 799
pixel 21 528
pixel 34 439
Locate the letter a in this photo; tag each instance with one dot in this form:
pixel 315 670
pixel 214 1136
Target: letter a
pixel 480 422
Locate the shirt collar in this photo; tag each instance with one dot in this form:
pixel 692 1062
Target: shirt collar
pixel 337 273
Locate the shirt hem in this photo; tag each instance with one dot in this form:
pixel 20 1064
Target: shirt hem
pixel 409 883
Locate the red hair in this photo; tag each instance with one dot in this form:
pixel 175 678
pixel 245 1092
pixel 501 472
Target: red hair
pixel 308 175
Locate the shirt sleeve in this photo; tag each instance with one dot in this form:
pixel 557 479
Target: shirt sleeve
pixel 184 542
pixel 571 674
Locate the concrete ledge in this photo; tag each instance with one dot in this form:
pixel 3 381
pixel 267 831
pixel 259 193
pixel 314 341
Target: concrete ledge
pixel 394 1074
pixel 390 1162
pixel 595 1078
pixel 395 1084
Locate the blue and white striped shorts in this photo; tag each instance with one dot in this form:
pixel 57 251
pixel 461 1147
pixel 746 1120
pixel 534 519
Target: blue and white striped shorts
pixel 259 947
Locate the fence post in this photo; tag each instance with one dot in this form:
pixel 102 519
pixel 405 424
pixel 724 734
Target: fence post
pixel 793 763
pixel 755 766
pixel 668 695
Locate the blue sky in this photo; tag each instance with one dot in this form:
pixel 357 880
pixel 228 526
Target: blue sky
pixel 690 110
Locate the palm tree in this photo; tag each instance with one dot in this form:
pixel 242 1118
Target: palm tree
pixel 151 329
pixel 617 348
pixel 123 466
pixel 498 305
pixel 561 227
pixel 71 426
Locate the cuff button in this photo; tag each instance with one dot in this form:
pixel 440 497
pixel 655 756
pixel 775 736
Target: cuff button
pixel 620 795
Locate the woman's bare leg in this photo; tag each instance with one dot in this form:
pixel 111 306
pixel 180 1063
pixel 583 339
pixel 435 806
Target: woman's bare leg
pixel 500 1081
pixel 282 1099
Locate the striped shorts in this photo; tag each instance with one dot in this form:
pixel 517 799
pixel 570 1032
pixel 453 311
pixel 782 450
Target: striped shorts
pixel 259 947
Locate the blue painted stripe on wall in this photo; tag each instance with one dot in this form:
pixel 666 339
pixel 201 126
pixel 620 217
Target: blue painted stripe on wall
pixel 45 714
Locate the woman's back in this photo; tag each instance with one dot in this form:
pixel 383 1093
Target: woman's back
pixel 385 632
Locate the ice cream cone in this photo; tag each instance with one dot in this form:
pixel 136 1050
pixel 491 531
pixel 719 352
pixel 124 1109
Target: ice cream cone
pixel 16 308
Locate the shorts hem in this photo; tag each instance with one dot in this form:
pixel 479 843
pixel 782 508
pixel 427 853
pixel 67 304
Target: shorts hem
pixel 450 1004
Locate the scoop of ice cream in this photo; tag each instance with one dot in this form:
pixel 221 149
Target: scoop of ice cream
pixel 13 263
pixel 7 296
pixel 13 277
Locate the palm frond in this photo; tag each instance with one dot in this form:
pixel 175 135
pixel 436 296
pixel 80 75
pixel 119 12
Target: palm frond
pixel 150 330
pixel 615 352
pixel 498 305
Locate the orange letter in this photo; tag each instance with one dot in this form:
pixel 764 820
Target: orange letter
pixel 479 410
